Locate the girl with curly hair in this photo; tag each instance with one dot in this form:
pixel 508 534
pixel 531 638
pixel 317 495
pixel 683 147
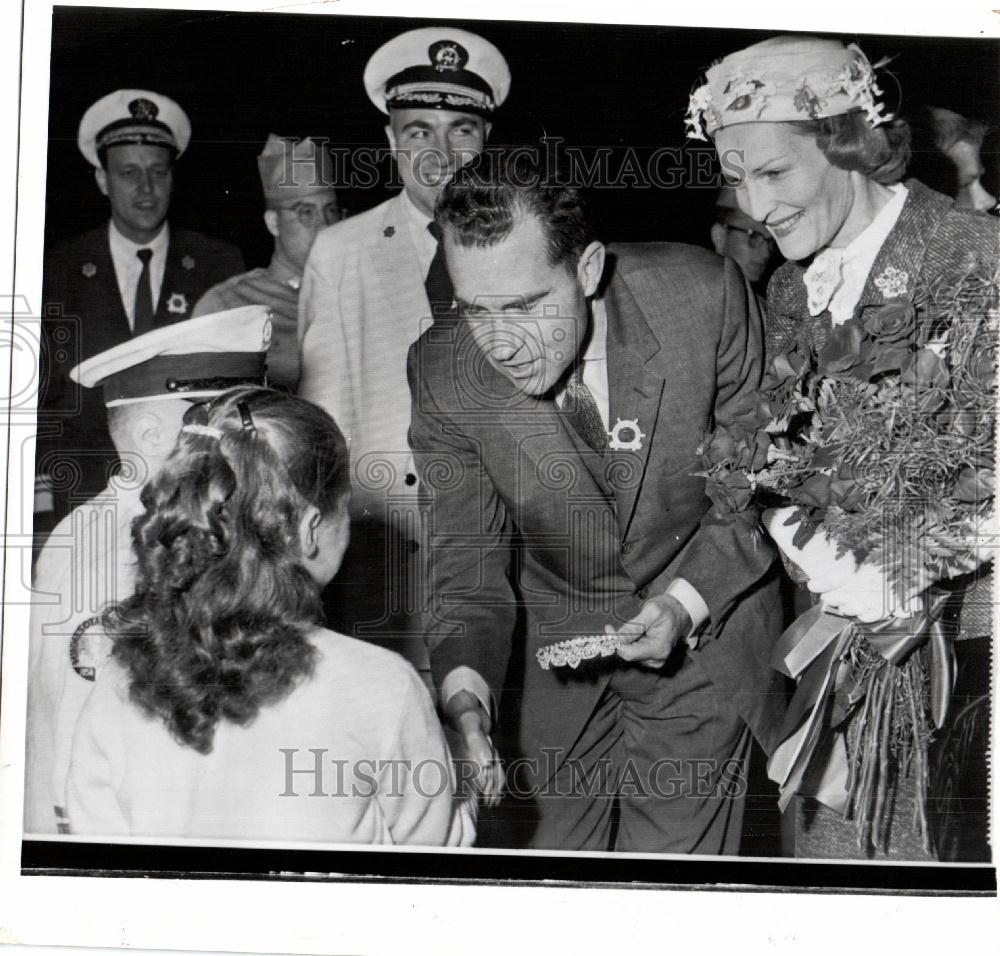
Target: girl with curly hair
pixel 226 711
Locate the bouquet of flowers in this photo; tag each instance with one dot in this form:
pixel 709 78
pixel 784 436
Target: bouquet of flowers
pixel 882 442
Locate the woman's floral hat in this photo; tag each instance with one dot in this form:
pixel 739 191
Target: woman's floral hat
pixel 783 79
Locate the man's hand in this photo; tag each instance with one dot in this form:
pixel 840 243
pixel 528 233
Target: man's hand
pixel 650 637
pixel 476 759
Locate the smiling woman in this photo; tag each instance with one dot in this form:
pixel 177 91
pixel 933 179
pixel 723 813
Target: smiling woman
pixel 800 130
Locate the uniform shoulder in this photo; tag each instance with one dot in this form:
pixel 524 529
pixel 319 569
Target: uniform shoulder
pixel 634 256
pixel 349 231
pixel 189 240
pixel 82 244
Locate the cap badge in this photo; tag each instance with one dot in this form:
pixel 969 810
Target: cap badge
pixel 89 270
pixel 187 262
pixel 626 435
pixel 143 109
pixel 389 232
pixel 177 304
pixel 447 56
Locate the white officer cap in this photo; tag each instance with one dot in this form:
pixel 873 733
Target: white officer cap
pixel 440 68
pixel 133 116
pixel 199 358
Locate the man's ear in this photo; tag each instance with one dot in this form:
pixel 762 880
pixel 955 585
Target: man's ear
pixel 271 221
pixel 487 129
pixel 100 174
pixel 390 136
pixel 590 267
pixel 309 532
pixel 719 235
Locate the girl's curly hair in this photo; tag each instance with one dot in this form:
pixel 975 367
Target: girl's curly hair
pixel 217 625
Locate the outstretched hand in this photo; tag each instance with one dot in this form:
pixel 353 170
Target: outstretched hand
pixel 477 763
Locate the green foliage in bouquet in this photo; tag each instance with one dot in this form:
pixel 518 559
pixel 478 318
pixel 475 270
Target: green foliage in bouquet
pixel 884 439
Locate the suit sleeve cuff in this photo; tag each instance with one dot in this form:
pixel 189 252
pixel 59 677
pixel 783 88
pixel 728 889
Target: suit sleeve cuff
pixel 465 678
pixel 692 602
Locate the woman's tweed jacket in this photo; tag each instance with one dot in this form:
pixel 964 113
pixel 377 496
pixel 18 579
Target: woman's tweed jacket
pixel 931 242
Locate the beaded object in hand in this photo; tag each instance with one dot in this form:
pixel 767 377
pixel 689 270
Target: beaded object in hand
pixel 570 653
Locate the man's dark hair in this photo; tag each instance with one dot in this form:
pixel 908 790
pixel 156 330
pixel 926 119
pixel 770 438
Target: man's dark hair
pixel 486 199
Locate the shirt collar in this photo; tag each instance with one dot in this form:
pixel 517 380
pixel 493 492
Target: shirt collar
pixel 418 218
pixel 597 345
pixel 122 244
pixel 876 232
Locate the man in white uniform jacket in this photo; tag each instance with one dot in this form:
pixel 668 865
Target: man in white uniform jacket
pixel 371 286
pixel 87 563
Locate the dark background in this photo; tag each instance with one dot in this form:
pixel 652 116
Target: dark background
pixel 241 76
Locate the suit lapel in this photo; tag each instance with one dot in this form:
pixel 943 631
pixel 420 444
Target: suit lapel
pixel 634 388
pixel 108 308
pixel 397 266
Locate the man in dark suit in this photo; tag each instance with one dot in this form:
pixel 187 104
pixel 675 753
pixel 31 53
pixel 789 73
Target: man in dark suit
pixel 126 277
pixel 559 418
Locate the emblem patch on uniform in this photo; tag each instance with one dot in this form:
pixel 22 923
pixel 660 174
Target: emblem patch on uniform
pixel 187 262
pixel 143 109
pixel 177 304
pixel 89 648
pixel 89 270
pixel 626 435
pixel 447 56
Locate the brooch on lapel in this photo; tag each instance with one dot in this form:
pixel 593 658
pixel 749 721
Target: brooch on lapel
pixel 89 270
pixel 626 435
pixel 389 232
pixel 187 262
pixel 177 304
pixel 892 282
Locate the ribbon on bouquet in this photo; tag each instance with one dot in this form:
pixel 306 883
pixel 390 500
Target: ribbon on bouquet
pixel 812 651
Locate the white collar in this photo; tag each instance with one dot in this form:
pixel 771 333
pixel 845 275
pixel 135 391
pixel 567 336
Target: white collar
pixel 417 217
pixel 877 231
pixel 121 243
pixel 597 344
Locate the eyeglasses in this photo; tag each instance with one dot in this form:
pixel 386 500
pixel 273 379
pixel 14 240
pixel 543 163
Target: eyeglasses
pixel 754 238
pixel 311 215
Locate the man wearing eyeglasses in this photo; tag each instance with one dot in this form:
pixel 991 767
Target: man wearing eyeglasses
pixel 736 235
pixel 372 284
pixel 299 201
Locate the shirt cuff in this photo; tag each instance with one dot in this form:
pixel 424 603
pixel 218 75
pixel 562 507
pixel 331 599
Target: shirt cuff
pixel 465 678
pixel 691 601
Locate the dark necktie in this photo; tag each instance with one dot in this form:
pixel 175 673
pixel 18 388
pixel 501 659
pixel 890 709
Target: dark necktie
pixel 143 316
pixel 440 292
pixel 580 407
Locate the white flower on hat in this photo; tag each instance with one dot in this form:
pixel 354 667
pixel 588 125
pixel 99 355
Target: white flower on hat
pixel 858 81
pixel 699 103
pixel 177 304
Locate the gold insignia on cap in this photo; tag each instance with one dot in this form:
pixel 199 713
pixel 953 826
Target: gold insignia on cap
pixel 448 56
pixel 143 109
